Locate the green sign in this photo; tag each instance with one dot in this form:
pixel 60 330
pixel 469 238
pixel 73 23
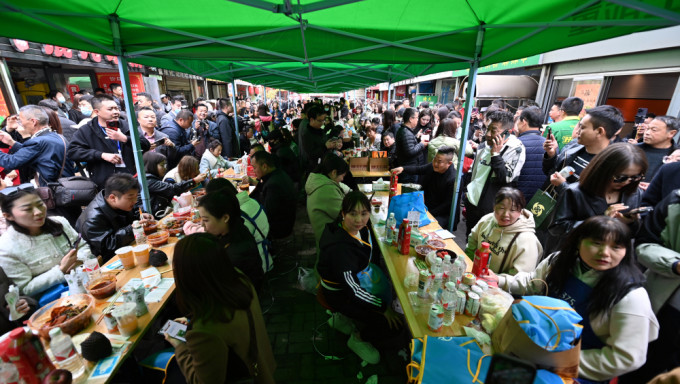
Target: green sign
pixel 517 63
pixel 429 98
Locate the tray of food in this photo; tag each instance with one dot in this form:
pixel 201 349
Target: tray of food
pixel 71 313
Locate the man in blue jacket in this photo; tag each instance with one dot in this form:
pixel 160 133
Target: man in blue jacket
pixel 44 152
pixel 177 132
pixel 531 177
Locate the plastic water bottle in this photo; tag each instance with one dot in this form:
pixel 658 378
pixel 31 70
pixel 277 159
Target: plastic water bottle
pixel 65 353
pixel 390 228
pixel 438 272
pixel 457 271
pixel 447 267
pixel 449 302
pixel 138 232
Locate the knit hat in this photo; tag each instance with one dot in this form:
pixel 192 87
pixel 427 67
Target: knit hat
pixel 96 347
pixel 157 258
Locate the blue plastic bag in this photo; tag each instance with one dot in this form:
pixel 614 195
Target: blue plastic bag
pixel 550 323
pixel 374 281
pixel 402 204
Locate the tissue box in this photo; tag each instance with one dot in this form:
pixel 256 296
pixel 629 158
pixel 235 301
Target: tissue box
pixel 358 164
pixel 381 185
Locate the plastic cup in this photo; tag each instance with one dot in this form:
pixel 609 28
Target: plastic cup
pixel 126 318
pixel 126 257
pixel 141 253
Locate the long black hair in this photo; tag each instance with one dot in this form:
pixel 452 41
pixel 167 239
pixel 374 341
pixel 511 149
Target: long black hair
pixel 208 285
pixel 332 162
pixel 614 283
pixel 7 201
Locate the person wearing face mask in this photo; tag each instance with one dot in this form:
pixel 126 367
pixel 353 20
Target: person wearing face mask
pixel 85 108
pixel 59 98
pixel 74 113
pixel 176 104
pixel 346 249
pixel 510 231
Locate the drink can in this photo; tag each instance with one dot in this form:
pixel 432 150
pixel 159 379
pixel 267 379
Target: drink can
pixel 464 287
pixel 423 277
pixel 469 279
pixel 436 319
pixel 472 305
pixel 476 289
pixel 483 285
pixel 461 299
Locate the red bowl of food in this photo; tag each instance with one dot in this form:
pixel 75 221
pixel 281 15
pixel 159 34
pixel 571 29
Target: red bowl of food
pixel 71 313
pixel 102 287
pixel 436 244
pixel 182 213
pixel 423 249
pixel 150 227
pixel 159 238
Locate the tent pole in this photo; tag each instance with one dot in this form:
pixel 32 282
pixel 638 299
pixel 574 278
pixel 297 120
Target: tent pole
pixel 130 111
pixel 238 134
pixel 264 87
pixel 472 82
pixel 389 94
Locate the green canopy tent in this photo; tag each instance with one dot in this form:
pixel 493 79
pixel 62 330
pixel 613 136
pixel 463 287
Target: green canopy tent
pixel 325 45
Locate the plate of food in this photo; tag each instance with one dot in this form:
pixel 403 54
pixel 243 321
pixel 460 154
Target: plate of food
pixel 71 313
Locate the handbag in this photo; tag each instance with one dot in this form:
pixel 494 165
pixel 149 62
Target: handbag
pixel 432 357
pixel 544 331
pixel 402 204
pixel 542 205
pixel 74 191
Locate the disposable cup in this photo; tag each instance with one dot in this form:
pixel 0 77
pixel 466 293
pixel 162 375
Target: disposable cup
pixel 126 318
pixel 141 253
pixel 126 257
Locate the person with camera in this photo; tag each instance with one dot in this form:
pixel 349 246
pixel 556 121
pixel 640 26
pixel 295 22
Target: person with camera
pixel 177 132
pixel 105 143
pixel 202 128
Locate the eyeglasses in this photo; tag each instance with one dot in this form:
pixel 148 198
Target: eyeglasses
pixel 623 178
pixel 9 191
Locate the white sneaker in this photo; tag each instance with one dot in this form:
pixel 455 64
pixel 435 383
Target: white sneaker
pixel 364 350
pixel 341 323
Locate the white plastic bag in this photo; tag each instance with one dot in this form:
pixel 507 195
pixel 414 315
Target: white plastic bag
pixel 494 304
pixel 308 281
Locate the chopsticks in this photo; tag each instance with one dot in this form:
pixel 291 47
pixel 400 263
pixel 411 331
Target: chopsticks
pixel 108 308
pixel 166 271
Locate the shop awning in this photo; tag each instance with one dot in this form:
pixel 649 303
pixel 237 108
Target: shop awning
pixel 326 45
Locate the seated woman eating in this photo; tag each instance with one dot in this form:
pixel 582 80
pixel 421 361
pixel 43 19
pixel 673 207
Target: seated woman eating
pixel 36 251
pixel 510 231
pixel 186 169
pixel 212 160
pixel 160 192
pixel 595 272
pixel 227 339
pixel 346 250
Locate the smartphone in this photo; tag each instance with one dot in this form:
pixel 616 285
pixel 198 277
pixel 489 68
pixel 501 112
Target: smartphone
pixel 506 369
pixel 175 330
pixel 549 133
pixel 113 124
pixel 76 244
pixel 635 211
pixel 474 110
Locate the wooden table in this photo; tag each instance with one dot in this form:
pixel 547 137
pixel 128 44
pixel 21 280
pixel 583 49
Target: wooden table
pixel 144 322
pixel 399 265
pixel 371 174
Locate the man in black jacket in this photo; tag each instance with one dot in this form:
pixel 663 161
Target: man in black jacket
pixel 275 192
pixel 409 151
pixel 437 181
pixel 106 223
pixel 226 132
pixel 106 151
pixel 177 133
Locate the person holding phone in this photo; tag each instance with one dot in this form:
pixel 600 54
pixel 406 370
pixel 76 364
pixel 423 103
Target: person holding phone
pixel 105 143
pixel 498 164
pixel 36 251
pixel 409 151
pixel 146 118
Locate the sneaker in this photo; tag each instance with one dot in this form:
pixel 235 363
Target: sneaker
pixel 364 350
pixel 341 323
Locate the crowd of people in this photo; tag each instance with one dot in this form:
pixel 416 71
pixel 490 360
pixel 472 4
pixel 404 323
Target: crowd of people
pixel 609 245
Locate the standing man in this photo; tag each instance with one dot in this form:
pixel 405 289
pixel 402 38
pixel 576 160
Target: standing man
pixel 146 119
pixel 177 102
pixel 409 151
pixel 498 163
pixel 531 178
pixel 313 139
pixel 658 143
pixel 59 98
pixel 177 131
pixel 555 112
pixel 117 91
pixel 107 148
pixel 568 115
pixel 146 100
pixel 226 130
pixel 166 104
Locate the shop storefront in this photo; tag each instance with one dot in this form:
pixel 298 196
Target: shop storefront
pixel 34 69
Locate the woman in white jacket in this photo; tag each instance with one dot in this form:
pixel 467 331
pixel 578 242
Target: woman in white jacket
pixel 36 251
pixel 596 273
pixel 511 233
pixel 212 160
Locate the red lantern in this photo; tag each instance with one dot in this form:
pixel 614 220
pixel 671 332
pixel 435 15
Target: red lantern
pixel 250 89
pixel 257 90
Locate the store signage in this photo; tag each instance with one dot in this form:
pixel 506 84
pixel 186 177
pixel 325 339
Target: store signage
pixel 136 82
pixel 68 53
pixel 73 89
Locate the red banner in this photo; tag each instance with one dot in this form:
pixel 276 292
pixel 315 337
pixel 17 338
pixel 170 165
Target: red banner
pixel 73 89
pixel 4 109
pixel 136 82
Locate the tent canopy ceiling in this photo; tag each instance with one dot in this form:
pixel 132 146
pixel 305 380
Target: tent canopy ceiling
pixel 326 45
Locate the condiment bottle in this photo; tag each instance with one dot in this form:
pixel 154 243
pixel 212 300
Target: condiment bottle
pixel 480 266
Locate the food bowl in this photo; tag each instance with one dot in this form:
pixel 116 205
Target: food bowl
pixel 439 253
pixel 244 186
pixel 423 249
pixel 436 244
pixel 102 287
pixel 159 238
pixel 182 213
pixel 150 227
pixel 173 225
pixel 47 317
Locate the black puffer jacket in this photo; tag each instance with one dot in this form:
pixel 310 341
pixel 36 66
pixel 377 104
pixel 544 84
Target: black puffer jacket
pixel 104 228
pixel 161 193
pixel 244 253
pixel 409 152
